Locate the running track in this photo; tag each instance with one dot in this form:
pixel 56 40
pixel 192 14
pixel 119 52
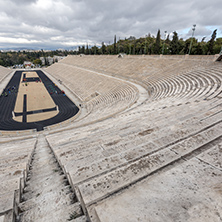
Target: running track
pixel 67 108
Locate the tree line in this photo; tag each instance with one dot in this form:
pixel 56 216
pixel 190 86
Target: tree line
pixel 12 58
pixel 148 45
pixel 156 45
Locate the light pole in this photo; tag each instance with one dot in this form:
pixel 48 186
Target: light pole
pixel 193 29
pixel 164 41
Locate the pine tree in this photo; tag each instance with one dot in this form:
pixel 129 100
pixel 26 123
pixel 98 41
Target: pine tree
pixel 199 50
pixel 134 48
pixel 130 48
pixel 103 48
pixel 157 43
pixel 211 42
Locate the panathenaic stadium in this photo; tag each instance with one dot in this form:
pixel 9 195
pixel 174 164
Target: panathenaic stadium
pixel 112 139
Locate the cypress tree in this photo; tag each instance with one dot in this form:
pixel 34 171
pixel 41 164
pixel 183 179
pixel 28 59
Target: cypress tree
pixel 203 39
pixel 145 51
pixel 87 50
pixel 174 45
pixel 114 46
pixel 83 49
pixel 95 49
pixel 211 42
pixel 157 43
pixel 46 61
pixel 167 41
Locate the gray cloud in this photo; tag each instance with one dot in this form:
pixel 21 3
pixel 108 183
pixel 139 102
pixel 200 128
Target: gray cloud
pixel 66 23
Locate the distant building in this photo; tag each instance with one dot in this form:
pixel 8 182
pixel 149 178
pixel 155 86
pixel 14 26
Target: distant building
pixel 28 65
pixel 58 58
pixel 43 60
pixel 50 60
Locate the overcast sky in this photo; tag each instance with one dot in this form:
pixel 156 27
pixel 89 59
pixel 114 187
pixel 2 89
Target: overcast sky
pixel 51 24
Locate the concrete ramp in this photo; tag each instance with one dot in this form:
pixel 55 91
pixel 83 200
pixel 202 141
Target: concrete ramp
pixel 219 58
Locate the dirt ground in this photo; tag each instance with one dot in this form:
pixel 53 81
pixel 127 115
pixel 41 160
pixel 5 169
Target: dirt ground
pixel 38 98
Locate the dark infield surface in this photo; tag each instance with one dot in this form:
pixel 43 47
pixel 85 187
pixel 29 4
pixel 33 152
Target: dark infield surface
pixel 67 108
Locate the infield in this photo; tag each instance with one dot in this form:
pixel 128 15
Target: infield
pixel 37 100
pixel 32 101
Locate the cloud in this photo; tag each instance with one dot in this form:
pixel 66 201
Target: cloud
pixel 17 40
pixel 62 23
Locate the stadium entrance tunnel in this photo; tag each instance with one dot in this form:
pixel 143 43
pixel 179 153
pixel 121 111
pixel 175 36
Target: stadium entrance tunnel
pixel 219 58
pixel 32 101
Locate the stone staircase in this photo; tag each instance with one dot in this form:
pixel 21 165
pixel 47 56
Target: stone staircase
pixel 47 195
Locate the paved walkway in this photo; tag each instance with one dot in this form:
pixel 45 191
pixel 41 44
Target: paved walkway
pixel 47 195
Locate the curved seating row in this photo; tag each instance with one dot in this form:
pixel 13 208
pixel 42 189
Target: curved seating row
pixel 15 157
pixel 3 72
pixel 101 95
pixel 99 153
pixel 181 119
